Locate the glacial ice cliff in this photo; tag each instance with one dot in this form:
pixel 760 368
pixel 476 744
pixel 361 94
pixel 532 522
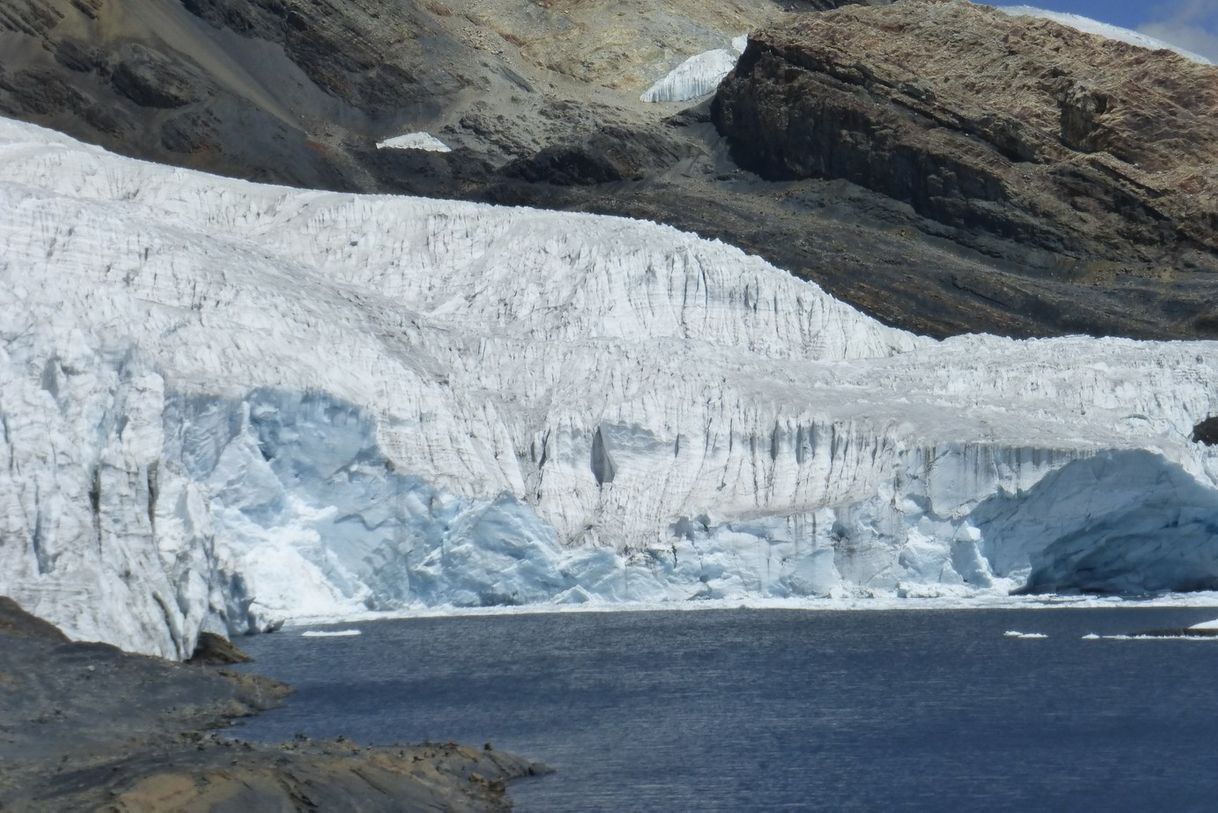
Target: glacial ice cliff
pixel 223 404
pixel 698 75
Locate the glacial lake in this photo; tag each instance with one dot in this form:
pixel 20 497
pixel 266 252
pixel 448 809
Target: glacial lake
pixel 759 710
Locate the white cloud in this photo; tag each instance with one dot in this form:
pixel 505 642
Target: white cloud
pixel 1188 24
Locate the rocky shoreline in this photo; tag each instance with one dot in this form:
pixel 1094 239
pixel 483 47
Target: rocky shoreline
pixel 88 726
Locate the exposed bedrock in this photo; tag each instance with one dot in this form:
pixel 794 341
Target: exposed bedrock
pixel 88 727
pixel 1089 159
pixel 1207 431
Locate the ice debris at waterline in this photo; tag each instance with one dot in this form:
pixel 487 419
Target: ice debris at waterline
pixel 698 75
pixel 1026 636
pixel 1112 32
pixel 1093 637
pixel 330 633
pixel 414 141
pixel 224 404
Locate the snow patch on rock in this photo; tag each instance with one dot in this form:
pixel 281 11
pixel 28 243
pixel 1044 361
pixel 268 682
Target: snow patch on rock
pixel 414 141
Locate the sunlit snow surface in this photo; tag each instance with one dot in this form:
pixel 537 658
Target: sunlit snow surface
pixel 225 404
pixel 698 75
pixel 414 141
pixel 1112 32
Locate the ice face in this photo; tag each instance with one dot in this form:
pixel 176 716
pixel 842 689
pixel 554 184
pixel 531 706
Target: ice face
pixel 224 404
pixel 698 75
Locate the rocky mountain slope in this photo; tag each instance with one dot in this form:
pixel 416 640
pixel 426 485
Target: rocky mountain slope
pixel 300 91
pixel 1095 157
pixel 540 103
pixel 224 404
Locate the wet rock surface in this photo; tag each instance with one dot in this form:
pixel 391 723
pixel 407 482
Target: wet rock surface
pixel 87 726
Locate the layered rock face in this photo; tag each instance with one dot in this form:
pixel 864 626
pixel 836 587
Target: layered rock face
pixel 1094 156
pixel 224 404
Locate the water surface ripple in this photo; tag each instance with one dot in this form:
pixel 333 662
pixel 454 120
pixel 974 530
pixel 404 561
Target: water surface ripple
pixel 751 710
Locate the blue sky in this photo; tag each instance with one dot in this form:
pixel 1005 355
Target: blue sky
pixel 1191 24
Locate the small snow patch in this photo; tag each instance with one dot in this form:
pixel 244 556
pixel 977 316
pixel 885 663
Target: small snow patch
pixel 329 633
pixel 414 141
pixel 1024 635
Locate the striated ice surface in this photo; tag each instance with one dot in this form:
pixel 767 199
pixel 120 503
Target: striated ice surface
pixel 698 75
pixel 1112 32
pixel 414 141
pixel 223 405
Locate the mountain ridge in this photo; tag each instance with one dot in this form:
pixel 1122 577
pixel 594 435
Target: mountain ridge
pixel 551 131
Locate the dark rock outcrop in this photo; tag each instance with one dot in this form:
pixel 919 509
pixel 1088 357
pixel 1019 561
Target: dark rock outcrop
pixel 1076 157
pixel 1206 432
pixel 216 650
pixel 89 727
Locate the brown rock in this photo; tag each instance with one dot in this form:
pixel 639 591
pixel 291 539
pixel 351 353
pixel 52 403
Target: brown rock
pixel 1093 150
pixel 212 649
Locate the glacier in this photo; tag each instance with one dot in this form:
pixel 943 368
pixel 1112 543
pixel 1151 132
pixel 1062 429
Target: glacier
pixel 225 404
pixel 1112 32
pixel 698 75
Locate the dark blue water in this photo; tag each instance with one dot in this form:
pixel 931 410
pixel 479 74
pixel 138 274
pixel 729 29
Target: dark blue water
pixel 773 710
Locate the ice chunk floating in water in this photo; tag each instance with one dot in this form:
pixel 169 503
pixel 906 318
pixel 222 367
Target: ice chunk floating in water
pixel 1027 636
pixel 329 633
pixel 224 404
